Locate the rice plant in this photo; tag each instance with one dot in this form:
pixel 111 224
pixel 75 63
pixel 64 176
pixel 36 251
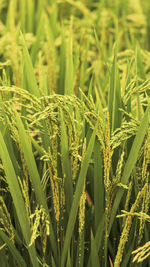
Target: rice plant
pixel 74 133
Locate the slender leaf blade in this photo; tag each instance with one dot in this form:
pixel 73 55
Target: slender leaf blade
pixel 34 175
pixel 19 259
pixel 66 168
pixel 130 162
pixel 94 253
pixel 76 199
pixel 30 83
pixel 17 195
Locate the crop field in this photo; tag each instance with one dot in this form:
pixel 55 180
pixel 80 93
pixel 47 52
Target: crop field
pixel 74 133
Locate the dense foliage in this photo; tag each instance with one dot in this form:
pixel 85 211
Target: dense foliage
pixel 74 133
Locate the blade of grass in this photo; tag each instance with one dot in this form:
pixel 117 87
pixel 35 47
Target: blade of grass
pixel 32 168
pixel 114 96
pixel 94 253
pixel 140 67
pixel 40 9
pixel 30 83
pixel 128 255
pixel 127 81
pixel 53 262
pixel 30 15
pixel 19 259
pixel 98 237
pixel 69 78
pixel 68 264
pixel 90 89
pixel 98 184
pixel 101 88
pixel 61 85
pixel 53 17
pixel 139 73
pixel 130 162
pixel 17 195
pixel 66 167
pixel 11 14
pixel 76 199
pixel 39 37
pixel 84 67
pixel 23 15
pixel 34 175
pixel 101 50
pixel 81 247
pixel 7 138
pixel 3 255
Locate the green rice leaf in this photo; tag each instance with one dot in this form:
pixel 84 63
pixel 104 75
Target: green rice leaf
pixel 94 253
pixel 76 199
pixel 66 167
pixel 19 259
pixel 98 184
pixel 30 83
pixel 69 78
pixel 130 162
pixel 114 97
pixel 61 85
pixel 30 15
pixel 99 235
pixel 17 195
pixel 39 38
pixel 34 175
pixel 140 66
